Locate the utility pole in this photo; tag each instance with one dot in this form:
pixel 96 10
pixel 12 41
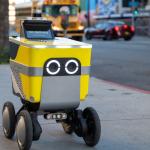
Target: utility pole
pixel 133 18
pixel 88 13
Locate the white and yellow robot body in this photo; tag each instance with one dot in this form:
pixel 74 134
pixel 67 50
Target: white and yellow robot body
pixel 51 77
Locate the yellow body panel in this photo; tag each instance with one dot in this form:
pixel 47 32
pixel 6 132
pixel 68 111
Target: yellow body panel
pixel 33 58
pixel 36 57
pixel 31 87
pixel 84 86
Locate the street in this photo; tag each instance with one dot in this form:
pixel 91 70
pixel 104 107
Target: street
pixel 122 62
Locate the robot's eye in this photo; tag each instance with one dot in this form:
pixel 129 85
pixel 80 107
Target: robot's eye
pixel 71 67
pixel 53 67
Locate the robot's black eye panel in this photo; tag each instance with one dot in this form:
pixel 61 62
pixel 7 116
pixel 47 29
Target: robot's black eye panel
pixel 62 67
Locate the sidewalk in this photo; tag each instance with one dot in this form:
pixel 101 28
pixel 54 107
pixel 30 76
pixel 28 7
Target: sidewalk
pixel 124 113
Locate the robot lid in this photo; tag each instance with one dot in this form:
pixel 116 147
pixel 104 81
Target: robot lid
pixel 39 34
pixel 56 43
pixel 37 29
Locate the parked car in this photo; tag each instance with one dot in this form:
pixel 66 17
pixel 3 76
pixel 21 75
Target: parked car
pixel 110 30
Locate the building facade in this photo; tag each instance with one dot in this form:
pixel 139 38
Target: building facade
pixel 148 5
pixel 12 13
pixel 105 7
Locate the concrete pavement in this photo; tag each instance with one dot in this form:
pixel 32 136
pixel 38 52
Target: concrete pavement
pixel 124 113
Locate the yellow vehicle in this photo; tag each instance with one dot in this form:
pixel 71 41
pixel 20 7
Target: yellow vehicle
pixel 51 77
pixel 50 9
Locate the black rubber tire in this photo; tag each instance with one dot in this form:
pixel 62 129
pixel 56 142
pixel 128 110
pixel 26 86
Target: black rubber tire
pixel 93 134
pixel 81 127
pixel 67 128
pixel 9 122
pixel 127 38
pixel 107 37
pixel 88 36
pixel 28 130
pixel 37 130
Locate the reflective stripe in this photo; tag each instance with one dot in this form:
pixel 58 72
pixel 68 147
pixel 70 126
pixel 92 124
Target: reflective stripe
pixel 30 71
pixel 38 71
pixel 85 70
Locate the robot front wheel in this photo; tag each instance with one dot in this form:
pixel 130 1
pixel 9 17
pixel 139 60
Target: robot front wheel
pixel 24 130
pixel 92 136
pixel 85 124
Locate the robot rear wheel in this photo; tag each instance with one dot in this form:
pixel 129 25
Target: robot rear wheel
pixel 9 120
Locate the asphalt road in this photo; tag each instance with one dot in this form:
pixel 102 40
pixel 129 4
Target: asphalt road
pixel 122 62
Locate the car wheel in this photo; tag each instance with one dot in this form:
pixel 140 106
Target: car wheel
pixel 88 36
pixel 127 38
pixel 107 37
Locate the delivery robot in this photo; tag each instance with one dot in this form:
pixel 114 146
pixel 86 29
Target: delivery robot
pixel 50 75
